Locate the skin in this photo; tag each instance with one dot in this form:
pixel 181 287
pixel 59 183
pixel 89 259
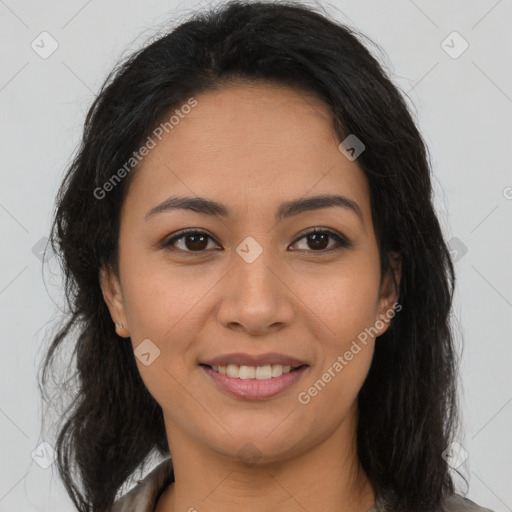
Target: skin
pixel 270 144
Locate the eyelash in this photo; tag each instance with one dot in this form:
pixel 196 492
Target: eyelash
pixel 343 243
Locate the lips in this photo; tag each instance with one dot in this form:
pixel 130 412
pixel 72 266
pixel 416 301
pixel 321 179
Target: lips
pixel 241 359
pixel 254 389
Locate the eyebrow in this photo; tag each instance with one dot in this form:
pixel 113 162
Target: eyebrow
pixel 287 209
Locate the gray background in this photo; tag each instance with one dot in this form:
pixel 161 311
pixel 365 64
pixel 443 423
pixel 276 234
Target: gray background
pixel 464 109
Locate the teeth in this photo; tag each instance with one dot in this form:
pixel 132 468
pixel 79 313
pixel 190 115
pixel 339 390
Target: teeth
pixel 252 372
pixel 263 372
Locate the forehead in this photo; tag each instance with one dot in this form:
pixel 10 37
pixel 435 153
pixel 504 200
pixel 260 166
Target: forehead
pixel 249 142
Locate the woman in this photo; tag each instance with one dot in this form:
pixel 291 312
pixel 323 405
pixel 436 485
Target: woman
pixel 258 278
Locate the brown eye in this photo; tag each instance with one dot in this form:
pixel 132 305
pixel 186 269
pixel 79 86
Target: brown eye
pixel 317 240
pixel 190 241
pixel 196 242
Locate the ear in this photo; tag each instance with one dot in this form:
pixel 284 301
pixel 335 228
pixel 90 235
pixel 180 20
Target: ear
pixel 113 296
pixel 389 294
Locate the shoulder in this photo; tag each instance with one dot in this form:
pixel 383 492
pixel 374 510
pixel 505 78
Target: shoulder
pixel 144 496
pixel 453 503
pixel 457 503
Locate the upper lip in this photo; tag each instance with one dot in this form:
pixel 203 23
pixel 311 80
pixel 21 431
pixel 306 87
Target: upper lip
pixel 241 359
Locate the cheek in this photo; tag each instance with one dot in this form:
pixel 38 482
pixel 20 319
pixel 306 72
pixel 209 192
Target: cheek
pixel 166 306
pixel 159 297
pixel 160 307
pixel 336 387
pixel 347 308
pixel 345 301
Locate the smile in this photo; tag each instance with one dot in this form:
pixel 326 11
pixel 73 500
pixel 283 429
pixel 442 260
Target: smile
pixel 254 372
pixel 254 382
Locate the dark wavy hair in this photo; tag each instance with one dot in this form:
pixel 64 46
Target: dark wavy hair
pixel 408 410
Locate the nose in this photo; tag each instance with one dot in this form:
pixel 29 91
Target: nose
pixel 256 299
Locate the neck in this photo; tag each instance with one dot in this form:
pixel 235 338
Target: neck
pixel 327 477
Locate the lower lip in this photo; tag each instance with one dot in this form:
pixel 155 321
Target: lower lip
pixel 254 389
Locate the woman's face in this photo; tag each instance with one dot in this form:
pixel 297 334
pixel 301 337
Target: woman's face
pixel 253 289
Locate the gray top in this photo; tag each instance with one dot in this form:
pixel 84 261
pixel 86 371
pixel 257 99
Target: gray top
pixel 144 496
